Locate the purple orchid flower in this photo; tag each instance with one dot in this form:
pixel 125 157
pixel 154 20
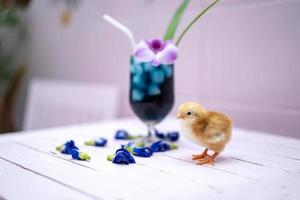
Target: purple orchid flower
pixel 156 51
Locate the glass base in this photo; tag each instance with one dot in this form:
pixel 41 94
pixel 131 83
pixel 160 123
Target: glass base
pixel 148 139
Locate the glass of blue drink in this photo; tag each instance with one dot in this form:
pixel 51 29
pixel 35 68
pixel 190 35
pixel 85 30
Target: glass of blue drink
pixel 151 91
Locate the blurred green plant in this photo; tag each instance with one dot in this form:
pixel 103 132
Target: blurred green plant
pixel 170 33
pixel 175 20
pixel 195 20
pixel 9 12
pixel 11 73
pixel 6 64
pixel 10 18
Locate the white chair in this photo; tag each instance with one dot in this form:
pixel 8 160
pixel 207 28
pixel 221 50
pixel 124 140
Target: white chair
pixel 56 103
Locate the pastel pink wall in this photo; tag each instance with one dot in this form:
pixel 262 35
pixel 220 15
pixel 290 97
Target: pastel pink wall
pixel 241 58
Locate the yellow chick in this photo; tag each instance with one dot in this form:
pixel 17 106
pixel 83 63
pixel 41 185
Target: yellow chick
pixel 209 129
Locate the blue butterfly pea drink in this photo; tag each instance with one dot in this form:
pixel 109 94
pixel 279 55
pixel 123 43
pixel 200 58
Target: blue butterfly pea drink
pixel 151 90
pixel 152 68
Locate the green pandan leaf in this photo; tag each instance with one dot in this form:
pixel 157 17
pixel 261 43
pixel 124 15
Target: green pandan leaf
pixel 175 20
pixel 194 21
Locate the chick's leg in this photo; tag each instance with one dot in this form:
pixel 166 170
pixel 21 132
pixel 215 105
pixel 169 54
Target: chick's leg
pixel 208 159
pixel 202 155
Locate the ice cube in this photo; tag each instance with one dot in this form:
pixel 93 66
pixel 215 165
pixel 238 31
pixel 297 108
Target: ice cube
pixel 157 76
pixel 137 95
pixel 147 66
pixel 136 69
pixel 139 80
pixel 132 68
pixel 168 70
pixel 153 90
pixel 135 66
pixel 132 65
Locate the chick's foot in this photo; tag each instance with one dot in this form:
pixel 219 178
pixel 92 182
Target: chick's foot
pixel 202 155
pixel 207 159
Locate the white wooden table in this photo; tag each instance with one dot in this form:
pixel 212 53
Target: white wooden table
pixel 253 166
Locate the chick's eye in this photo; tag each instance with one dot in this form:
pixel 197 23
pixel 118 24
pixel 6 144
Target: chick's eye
pixel 188 113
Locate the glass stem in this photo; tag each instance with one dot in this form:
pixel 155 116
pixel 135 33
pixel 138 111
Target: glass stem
pixel 150 130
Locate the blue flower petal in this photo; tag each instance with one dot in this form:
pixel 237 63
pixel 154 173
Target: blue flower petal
pixel 120 159
pixel 142 151
pixel 79 155
pixel 75 154
pixel 68 147
pixel 122 135
pixel 160 146
pixel 122 156
pixel 129 147
pixel 173 136
pixel 159 134
pixel 100 142
pixel 125 146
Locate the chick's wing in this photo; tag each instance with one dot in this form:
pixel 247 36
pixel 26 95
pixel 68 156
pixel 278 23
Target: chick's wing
pixel 218 128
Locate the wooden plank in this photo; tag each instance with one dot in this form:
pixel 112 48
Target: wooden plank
pixel 267 143
pixel 156 162
pixel 233 162
pixel 99 184
pixel 252 140
pixel 243 154
pixel 18 182
pixel 238 156
pixel 263 160
pixel 265 164
pixel 168 165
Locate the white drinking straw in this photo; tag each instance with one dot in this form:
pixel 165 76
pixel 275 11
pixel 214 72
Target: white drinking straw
pixel 121 27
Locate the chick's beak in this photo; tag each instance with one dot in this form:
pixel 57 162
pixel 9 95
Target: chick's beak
pixel 180 116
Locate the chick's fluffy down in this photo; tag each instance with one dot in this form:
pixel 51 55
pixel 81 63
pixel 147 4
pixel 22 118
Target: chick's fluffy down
pixel 216 132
